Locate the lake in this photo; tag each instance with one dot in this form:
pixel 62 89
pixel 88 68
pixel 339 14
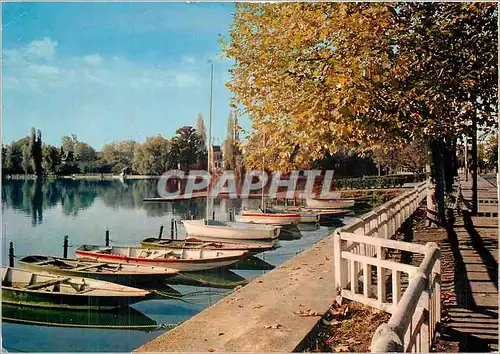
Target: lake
pixel 37 215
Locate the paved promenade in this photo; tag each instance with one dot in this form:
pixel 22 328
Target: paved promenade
pixel 469 258
pixel 264 315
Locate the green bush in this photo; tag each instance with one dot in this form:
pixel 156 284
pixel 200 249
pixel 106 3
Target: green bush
pixel 374 182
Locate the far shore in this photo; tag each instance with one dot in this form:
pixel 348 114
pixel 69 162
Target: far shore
pixel 84 176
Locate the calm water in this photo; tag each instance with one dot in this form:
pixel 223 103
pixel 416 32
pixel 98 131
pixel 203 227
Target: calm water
pixel 35 216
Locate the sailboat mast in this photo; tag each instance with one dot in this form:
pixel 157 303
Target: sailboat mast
pixel 209 165
pixel 263 161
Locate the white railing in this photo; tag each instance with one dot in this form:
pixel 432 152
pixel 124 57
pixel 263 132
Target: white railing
pixel 363 245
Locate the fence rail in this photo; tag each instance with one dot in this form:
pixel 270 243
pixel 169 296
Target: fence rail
pixel 363 273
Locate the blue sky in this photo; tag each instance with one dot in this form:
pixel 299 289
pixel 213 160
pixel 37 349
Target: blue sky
pixel 112 71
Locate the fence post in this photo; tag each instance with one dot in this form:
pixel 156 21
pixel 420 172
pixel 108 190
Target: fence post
pixel 11 254
pixel 106 237
pixel 161 232
pixel 65 246
pixel 172 229
pixel 340 269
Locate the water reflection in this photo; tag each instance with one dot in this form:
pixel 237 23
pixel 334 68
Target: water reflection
pixel 33 197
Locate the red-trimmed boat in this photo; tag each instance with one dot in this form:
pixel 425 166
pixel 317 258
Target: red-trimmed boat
pixel 183 259
pixel 270 217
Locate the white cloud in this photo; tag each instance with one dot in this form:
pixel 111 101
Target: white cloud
pixel 187 59
pixel 44 49
pixel 93 59
pixel 28 67
pixel 186 80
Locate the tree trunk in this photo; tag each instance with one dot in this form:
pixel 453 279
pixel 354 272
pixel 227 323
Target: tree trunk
pixel 439 175
pixel 431 205
pixel 474 165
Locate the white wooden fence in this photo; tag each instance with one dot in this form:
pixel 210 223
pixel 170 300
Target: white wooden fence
pixel 362 273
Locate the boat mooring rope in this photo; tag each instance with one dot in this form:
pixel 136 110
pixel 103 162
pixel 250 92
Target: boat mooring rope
pixel 43 323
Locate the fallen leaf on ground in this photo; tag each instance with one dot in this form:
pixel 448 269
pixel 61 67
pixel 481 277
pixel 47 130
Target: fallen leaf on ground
pixel 258 306
pixel 308 313
pixel 211 350
pixel 341 348
pixel 221 333
pixel 275 326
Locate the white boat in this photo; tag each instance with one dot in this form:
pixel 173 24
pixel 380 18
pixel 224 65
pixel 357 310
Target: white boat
pixel 230 230
pixel 324 203
pixel 305 217
pixel 41 289
pixel 268 217
pixel 185 260
pixel 309 217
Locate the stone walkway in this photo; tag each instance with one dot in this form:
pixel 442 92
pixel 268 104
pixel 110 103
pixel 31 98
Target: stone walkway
pixel 469 275
pixel 263 316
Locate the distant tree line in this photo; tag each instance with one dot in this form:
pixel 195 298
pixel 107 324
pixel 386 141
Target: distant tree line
pixel 29 155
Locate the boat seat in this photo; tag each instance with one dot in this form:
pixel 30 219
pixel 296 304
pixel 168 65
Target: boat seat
pixel 159 254
pixel 78 269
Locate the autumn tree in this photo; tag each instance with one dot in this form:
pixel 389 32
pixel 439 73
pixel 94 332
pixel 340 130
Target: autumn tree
pixel 200 128
pixel 231 150
pixel 410 157
pixel 318 76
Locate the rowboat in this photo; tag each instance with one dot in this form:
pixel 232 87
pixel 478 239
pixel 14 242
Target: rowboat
pixel 305 217
pixel 269 217
pixel 230 230
pixel 28 288
pixel 183 259
pixel 192 242
pixel 317 211
pixel 340 203
pixel 126 274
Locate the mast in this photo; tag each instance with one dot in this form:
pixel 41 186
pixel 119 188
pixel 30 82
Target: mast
pixel 209 164
pixel 263 161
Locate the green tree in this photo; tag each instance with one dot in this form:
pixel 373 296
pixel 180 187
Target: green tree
pixel 185 148
pixel 150 157
pixel 119 155
pixel 26 159
pixel 51 158
pixel 68 144
pixel 36 152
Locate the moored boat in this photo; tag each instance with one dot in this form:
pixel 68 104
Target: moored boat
pixel 126 274
pixel 183 259
pixel 192 242
pixel 269 217
pixel 339 203
pixel 230 230
pixel 28 288
pixel 305 217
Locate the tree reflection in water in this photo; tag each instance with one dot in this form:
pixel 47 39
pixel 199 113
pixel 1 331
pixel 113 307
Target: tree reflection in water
pixel 33 197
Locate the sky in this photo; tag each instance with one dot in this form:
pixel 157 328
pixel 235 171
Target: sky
pixel 112 71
